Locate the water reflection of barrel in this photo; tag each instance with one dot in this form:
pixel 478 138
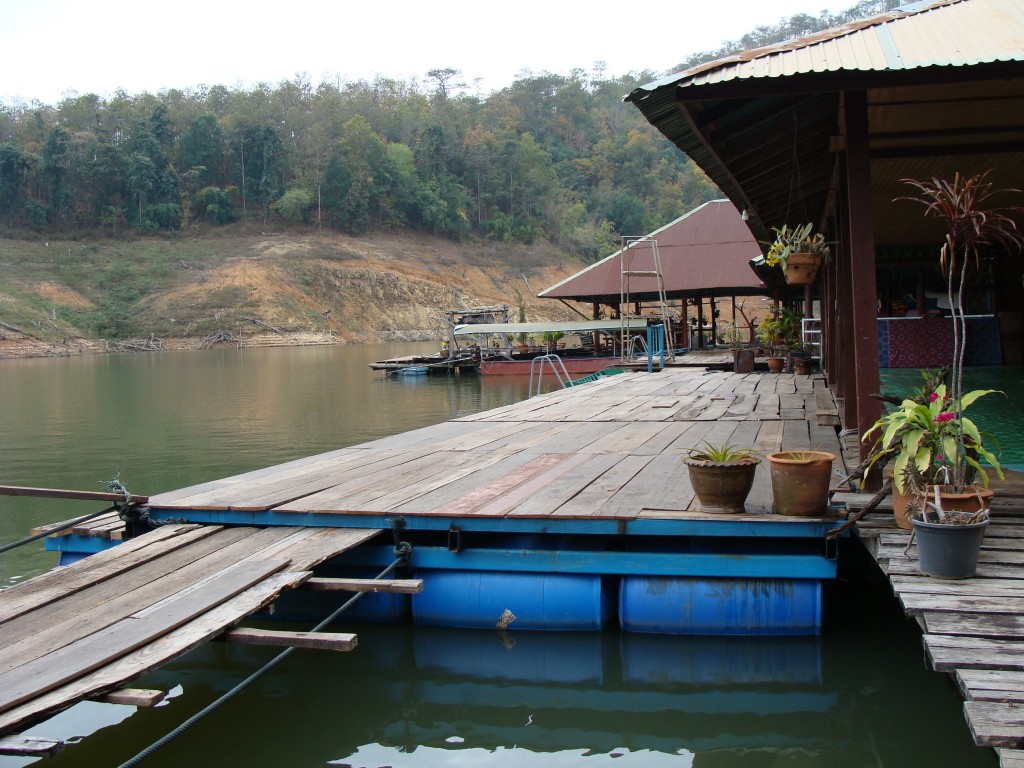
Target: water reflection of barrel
pixel 717 606
pixel 536 600
pixel 554 657
pixel 660 660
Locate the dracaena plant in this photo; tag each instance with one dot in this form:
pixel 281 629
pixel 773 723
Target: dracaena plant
pixel 964 206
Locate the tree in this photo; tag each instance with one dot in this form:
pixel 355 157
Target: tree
pixel 295 205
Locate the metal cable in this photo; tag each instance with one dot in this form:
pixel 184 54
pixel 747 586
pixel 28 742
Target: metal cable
pixel 62 527
pixel 402 555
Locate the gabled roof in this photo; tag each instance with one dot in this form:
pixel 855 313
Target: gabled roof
pixel 945 91
pixel 703 253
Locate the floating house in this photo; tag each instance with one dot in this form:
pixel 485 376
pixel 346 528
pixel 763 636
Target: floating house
pixel 822 129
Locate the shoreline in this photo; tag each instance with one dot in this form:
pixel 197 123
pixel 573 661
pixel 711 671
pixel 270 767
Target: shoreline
pixel 27 348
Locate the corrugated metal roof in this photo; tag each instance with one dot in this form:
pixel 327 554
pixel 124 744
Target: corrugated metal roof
pixel 947 33
pixel 703 252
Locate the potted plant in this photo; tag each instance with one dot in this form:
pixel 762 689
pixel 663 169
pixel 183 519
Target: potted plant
pixel 799 251
pixel 778 330
pixel 742 355
pixel 721 476
pixel 939 443
pixel 801 482
pixel 551 339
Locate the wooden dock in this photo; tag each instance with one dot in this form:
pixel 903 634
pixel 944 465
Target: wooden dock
pixel 611 449
pixel 603 459
pixel 85 630
pixel 973 629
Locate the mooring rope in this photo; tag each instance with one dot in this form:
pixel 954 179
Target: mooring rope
pixel 403 550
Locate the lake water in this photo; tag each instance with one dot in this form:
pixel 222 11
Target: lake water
pixel 860 695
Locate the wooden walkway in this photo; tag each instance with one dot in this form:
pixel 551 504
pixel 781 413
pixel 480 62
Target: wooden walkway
pixel 973 629
pixel 610 449
pixel 81 631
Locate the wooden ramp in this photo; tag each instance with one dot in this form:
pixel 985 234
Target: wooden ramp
pixel 80 631
pixel 973 629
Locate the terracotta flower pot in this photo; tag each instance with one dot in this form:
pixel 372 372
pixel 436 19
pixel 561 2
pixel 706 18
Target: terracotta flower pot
pixel 800 482
pixel 801 268
pixel 742 360
pixel 722 486
pixel 775 364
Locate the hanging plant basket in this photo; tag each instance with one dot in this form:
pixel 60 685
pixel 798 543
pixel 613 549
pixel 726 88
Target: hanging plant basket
pixel 802 268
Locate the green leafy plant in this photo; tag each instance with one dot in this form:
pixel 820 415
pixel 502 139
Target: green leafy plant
pixel 779 329
pixel 721 452
pixel 799 239
pixel 927 439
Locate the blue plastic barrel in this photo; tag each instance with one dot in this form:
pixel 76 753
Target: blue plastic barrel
pixel 478 599
pixel 720 606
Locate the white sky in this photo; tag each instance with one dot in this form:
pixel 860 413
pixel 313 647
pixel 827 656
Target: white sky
pixel 53 48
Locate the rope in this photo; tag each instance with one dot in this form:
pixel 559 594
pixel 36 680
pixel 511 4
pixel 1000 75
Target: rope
pixel 399 560
pixel 61 527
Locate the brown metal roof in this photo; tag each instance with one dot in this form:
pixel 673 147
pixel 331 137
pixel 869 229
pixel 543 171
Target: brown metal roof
pixel 703 253
pixel 945 89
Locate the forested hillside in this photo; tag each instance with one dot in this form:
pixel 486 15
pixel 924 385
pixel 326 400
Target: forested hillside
pixel 551 161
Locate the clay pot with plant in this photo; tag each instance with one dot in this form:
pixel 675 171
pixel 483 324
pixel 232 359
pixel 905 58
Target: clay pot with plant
pixel 721 476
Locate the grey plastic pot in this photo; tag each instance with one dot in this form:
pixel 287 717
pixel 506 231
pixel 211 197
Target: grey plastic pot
pixel 948 551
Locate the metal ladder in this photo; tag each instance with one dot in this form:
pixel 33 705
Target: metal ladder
pixel 632 254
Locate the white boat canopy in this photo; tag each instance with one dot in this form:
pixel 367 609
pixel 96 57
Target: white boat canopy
pixel 570 326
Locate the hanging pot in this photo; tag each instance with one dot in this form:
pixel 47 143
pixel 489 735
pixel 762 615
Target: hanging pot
pixel 801 268
pixel 800 482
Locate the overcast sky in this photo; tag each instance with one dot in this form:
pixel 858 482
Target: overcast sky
pixel 53 48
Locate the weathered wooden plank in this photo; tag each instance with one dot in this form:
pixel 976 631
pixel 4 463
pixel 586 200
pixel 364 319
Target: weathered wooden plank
pixel 995 724
pixel 991 684
pixel 532 472
pixel 59 583
pixel 29 746
pixel 322 544
pixel 504 471
pixel 53 626
pixel 149 657
pixel 915 603
pixel 630 437
pixel 663 484
pixel 1010 758
pixel 133 697
pixel 321 641
pixel 1007 626
pixel 978 587
pixel 949 653
pixel 559 486
pixel 394 586
pixel 65 664
pixel 588 502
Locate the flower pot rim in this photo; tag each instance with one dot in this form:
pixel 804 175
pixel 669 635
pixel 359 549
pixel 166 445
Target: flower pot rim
pixel 965 526
pixel 744 462
pixel 809 457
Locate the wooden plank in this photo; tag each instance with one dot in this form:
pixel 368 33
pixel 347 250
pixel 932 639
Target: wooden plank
pixel 475 498
pixel 915 603
pixel 29 746
pixel 949 653
pixel 1010 758
pixel 59 493
pixel 394 586
pixel 503 471
pixel 322 641
pixel 996 724
pixel 979 587
pixel 164 649
pixel 49 627
pixel 662 483
pixel 588 502
pixel 991 684
pixel 133 697
pixel 1007 626
pixel 55 669
pixel 58 583
pixel 321 545
pixel 558 485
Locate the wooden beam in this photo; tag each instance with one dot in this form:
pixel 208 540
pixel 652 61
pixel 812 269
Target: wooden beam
pixel 133 697
pixel 60 493
pixel 325 641
pixel 862 263
pixel 29 746
pixel 397 586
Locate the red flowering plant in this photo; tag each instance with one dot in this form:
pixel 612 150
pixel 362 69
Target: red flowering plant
pixel 929 440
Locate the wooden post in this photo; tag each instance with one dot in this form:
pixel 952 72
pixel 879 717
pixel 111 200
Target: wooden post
pixel 862 262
